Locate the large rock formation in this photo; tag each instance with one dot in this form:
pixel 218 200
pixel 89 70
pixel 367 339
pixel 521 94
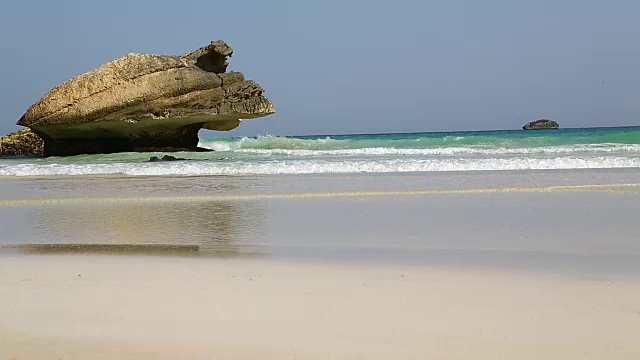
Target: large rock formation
pixel 21 143
pixel 143 101
pixel 541 124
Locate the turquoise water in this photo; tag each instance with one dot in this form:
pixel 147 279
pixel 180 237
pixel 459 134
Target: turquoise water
pixel 365 153
pixel 502 138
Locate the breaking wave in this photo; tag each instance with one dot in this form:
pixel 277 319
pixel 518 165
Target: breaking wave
pixel 595 139
pixel 477 150
pixel 378 153
pixel 209 167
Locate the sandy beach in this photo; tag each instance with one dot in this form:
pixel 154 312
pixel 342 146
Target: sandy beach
pixel 453 266
pixel 141 307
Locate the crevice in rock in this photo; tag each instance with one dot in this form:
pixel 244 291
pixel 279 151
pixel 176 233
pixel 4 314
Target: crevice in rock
pixel 212 62
pixel 211 58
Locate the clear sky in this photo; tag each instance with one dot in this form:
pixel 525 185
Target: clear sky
pixel 341 66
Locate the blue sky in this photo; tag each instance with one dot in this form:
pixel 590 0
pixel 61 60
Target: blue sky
pixel 356 66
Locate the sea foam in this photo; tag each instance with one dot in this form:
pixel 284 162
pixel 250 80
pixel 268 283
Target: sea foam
pixel 303 166
pixel 377 153
pixel 477 150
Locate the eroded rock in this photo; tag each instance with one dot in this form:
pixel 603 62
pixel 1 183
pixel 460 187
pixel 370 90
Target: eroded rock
pixel 21 143
pixel 144 101
pixel 165 158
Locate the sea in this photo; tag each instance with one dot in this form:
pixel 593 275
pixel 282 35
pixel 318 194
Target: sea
pixel 589 148
pixel 564 201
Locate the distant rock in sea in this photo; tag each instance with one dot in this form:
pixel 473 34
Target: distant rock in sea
pixel 143 101
pixel 541 124
pixel 21 143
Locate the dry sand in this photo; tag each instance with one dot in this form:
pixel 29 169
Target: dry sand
pixel 136 307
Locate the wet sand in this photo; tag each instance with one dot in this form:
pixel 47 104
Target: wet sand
pixel 132 307
pixel 574 222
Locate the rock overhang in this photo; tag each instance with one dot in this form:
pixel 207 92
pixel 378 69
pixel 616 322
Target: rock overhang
pixel 143 100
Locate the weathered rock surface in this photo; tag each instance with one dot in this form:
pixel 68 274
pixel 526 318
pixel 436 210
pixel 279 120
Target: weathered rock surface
pixel 165 158
pixel 21 143
pixel 541 124
pixel 145 101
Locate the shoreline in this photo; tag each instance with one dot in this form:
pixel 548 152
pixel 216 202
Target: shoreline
pixel 462 172
pixel 86 306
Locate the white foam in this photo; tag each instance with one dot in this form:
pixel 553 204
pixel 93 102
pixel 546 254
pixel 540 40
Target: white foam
pixel 270 142
pixel 473 150
pixel 307 166
pixel 216 145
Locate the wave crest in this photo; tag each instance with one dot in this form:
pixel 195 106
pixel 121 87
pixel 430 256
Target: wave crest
pixel 625 140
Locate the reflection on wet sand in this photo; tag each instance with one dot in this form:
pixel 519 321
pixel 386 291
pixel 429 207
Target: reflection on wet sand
pixel 117 187
pixel 212 228
pixel 151 249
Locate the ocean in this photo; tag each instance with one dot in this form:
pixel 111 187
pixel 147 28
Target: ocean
pixel 589 148
pixel 553 200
